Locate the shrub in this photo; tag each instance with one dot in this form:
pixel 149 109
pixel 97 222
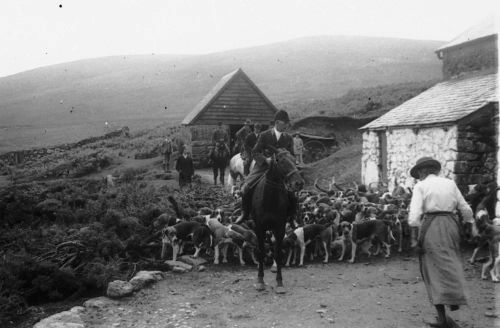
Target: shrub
pixel 111 219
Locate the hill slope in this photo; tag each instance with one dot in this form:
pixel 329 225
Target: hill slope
pixel 140 90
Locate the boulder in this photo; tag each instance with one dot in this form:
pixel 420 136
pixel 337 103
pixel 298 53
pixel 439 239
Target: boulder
pixel 174 264
pixel 144 278
pixel 178 269
pixel 66 319
pixel 195 262
pixel 119 288
pixel 100 303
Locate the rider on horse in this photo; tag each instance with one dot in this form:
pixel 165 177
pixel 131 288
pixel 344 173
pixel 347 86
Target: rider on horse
pixel 220 136
pixel 250 142
pixel 274 138
pixel 241 135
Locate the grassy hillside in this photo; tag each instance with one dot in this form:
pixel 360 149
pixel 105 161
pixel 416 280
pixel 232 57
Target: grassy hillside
pixel 40 106
pixel 360 103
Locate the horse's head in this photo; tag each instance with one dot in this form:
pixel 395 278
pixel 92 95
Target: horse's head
pixel 285 165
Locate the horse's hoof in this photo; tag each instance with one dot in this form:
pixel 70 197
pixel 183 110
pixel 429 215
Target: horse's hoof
pixel 260 286
pixel 280 290
pixel 274 269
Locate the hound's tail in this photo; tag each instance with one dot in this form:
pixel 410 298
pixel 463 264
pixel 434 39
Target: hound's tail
pixel 174 203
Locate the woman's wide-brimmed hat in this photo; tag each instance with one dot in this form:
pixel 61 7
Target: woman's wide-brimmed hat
pixel 424 162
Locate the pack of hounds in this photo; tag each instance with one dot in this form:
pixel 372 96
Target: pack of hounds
pixel 331 220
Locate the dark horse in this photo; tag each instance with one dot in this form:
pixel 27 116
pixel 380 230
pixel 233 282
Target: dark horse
pixel 272 206
pixel 219 158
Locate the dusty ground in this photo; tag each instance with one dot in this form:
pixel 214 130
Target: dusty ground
pixel 372 293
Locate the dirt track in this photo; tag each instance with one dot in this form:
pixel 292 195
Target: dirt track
pixel 372 293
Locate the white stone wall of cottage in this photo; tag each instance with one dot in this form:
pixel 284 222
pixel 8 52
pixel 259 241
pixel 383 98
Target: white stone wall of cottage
pixel 406 146
pixel 370 171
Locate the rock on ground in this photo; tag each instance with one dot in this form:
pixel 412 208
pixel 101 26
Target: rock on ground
pixel 195 262
pixel 174 264
pixel 99 303
pixel 144 278
pixel 119 288
pixel 66 319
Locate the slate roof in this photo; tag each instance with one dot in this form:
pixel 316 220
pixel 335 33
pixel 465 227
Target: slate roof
pixel 446 102
pixel 483 29
pixel 216 91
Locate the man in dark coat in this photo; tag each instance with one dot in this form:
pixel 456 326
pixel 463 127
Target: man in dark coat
pixel 185 168
pixel 275 137
pixel 250 142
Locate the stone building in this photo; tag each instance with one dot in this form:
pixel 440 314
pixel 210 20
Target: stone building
pixel 232 100
pixel 455 121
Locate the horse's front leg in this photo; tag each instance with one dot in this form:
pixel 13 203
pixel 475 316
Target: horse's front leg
pixel 280 234
pixel 215 174
pixel 222 174
pixel 260 277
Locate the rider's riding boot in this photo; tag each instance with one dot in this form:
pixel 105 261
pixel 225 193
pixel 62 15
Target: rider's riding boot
pixel 245 206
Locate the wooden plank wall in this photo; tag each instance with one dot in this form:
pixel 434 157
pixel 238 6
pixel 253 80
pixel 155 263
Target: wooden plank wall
pixel 238 102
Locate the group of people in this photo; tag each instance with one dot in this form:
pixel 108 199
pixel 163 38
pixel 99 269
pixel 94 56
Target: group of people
pixel 435 201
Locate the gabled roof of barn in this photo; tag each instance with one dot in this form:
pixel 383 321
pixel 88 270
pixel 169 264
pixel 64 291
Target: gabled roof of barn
pixel 218 90
pixel 446 102
pixel 481 30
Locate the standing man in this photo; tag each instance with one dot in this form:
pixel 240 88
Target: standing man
pixel 185 168
pixel 433 209
pixel 298 149
pixel 166 150
pixel 250 142
pixel 275 137
pixel 220 135
pixel 241 136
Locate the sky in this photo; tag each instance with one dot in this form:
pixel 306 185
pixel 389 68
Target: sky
pixel 35 33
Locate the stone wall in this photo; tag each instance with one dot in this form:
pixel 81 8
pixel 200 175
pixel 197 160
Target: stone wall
pixel 21 156
pixel 497 210
pixel 477 158
pixel 404 147
pixel 370 158
pixel 467 153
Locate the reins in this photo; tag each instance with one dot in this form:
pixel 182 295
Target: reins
pixel 281 184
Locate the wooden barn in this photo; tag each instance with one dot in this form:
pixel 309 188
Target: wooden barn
pixel 455 121
pixel 232 100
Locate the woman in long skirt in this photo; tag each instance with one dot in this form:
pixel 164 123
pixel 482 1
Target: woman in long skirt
pixel 433 208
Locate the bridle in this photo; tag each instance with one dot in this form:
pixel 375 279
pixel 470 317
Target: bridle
pixel 289 174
